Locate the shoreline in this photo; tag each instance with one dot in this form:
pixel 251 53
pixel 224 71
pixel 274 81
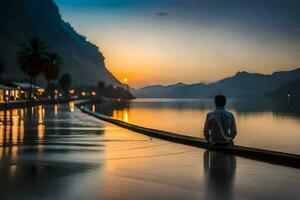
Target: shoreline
pixel 25 103
pixel 273 157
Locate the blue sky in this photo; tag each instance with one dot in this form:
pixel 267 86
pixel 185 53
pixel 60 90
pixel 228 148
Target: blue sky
pixel 167 41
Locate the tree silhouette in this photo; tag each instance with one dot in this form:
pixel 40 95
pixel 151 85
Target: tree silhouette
pixel 65 83
pixel 52 68
pixel 101 88
pixel 32 59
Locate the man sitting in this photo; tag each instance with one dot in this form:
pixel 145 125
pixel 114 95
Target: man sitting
pixel 220 127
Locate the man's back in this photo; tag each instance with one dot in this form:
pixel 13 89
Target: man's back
pixel 220 126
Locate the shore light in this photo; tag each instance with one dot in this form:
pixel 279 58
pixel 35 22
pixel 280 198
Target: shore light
pixel 41 90
pixel 72 91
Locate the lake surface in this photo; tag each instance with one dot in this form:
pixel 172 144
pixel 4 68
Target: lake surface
pixel 261 123
pixel 57 152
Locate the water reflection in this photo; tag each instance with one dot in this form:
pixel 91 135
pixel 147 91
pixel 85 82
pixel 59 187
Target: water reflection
pixel 240 106
pixel 72 106
pixel 79 157
pixel 93 108
pixel 219 174
pixel 56 109
pixel 20 126
pixel 121 114
pixel 42 143
pixel 111 109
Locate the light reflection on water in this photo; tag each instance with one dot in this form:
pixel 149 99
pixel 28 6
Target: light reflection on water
pixel 261 123
pixel 23 126
pixel 11 132
pixel 72 106
pixel 14 125
pixel 56 109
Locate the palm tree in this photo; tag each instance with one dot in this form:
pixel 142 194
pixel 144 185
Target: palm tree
pixel 32 59
pixel 53 68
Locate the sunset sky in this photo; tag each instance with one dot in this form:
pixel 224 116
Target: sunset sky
pixel 169 41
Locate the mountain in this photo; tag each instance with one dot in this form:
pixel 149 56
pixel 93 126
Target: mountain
pixel 156 91
pixel 24 19
pixel 242 84
pixel 291 89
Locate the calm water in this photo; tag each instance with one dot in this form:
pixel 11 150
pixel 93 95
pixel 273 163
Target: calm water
pixel 57 152
pixel 261 123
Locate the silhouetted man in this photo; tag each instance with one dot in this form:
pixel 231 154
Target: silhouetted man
pixel 220 127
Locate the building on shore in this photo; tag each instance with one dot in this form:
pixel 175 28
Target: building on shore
pixel 8 93
pixel 25 89
pixel 14 91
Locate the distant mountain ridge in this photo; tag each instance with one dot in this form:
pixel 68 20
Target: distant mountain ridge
pixel 242 84
pixel 23 19
pixel 157 90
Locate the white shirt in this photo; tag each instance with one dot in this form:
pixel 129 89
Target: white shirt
pixel 220 126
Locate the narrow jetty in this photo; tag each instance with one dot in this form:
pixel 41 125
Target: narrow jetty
pixel 274 157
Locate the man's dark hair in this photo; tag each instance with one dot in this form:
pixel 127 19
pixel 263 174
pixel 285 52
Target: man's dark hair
pixel 220 100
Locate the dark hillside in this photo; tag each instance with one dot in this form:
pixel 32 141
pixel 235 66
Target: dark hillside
pixel 23 19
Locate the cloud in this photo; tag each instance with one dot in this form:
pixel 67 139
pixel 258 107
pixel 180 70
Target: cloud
pixel 161 14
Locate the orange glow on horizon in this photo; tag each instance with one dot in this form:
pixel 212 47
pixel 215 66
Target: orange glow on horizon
pixel 157 59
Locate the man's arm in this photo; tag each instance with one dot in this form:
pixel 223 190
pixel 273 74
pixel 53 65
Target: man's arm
pixel 206 128
pixel 233 130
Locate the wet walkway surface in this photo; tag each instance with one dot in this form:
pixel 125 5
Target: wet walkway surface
pixel 70 155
